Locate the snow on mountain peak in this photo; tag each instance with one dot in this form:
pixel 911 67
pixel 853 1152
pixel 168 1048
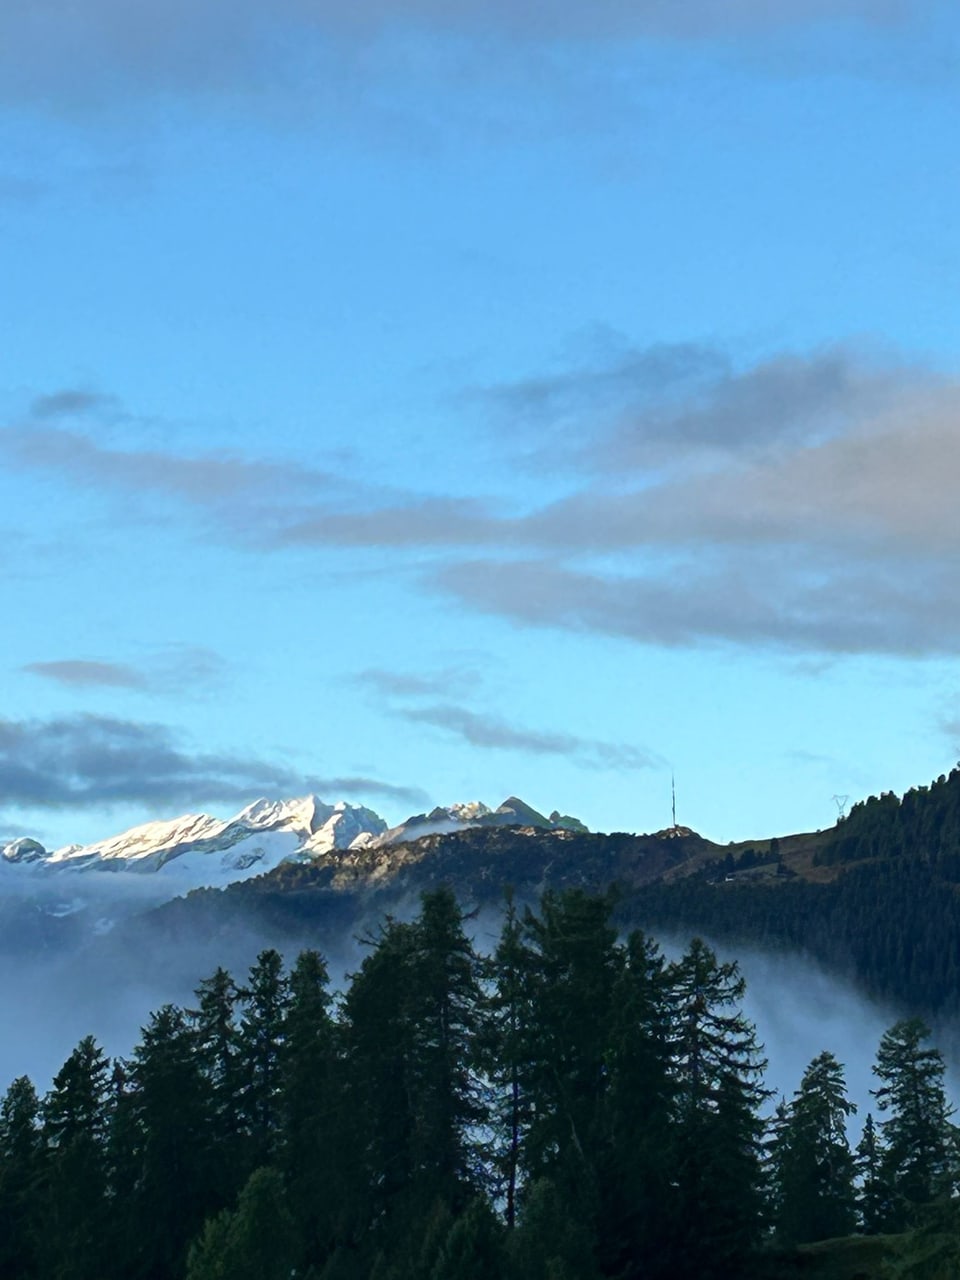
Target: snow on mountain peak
pixel 23 850
pixel 469 811
pixel 141 842
pixel 197 850
pixel 303 814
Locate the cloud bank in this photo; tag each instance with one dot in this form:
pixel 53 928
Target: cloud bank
pixel 805 502
pixel 88 761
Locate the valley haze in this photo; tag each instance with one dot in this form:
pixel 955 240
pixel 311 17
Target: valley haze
pixel 93 968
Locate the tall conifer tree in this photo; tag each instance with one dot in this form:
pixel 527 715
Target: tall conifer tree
pixel 75 1244
pixel 917 1138
pixel 175 1189
pixel 813 1164
pixel 22 1173
pixel 717 1068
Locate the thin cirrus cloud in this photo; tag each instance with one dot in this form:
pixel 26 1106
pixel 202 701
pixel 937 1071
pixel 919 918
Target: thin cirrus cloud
pixel 494 733
pixel 69 54
pixel 87 761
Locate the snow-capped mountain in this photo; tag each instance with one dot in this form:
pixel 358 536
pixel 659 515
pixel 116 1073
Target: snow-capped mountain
pixel 513 812
pixel 200 851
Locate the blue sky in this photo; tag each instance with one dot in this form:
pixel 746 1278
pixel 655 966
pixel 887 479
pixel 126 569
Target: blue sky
pixel 415 403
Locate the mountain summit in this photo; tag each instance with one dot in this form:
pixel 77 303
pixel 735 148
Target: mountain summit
pixel 197 850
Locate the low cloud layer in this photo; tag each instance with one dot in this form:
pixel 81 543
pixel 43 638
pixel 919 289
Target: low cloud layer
pixel 89 761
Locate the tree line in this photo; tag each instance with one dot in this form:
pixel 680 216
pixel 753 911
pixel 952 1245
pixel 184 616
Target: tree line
pixel 571 1106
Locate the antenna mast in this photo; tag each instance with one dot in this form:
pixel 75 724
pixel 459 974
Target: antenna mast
pixel 673 798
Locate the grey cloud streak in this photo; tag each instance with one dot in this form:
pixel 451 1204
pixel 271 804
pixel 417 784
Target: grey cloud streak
pixel 806 502
pixel 406 684
pixel 80 673
pixel 91 761
pixel 761 601
pixel 69 402
pixel 181 668
pixel 494 733
pixel 201 480
pixel 654 407
pixel 56 52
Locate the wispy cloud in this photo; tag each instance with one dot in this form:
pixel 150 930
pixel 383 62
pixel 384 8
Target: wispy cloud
pixel 80 673
pixel 765 600
pixel 409 684
pixel 806 502
pixel 89 761
pixel 203 480
pixel 55 52
pixel 667 406
pixel 71 402
pixel 490 732
pixel 181 668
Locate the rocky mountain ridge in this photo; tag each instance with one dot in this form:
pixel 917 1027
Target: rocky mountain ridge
pixel 198 850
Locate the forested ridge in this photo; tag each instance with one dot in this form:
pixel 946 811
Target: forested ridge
pixel 876 898
pixel 568 1107
pixel 879 901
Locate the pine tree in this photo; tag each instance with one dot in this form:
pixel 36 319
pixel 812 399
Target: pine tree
pixel 444 1008
pixel 917 1138
pixel 507 1053
pixel 717 1079
pixel 174 1190
pixel 217 1039
pixel 550 1242
pixel 473 1249
pixel 75 1244
pixel 634 1162
pixel 22 1172
pixel 874 1194
pixel 574 970
pixel 813 1165
pixel 314 1133
pixel 123 1168
pixel 411 1021
pixel 264 1005
pixel 256 1241
pixel 378 1051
